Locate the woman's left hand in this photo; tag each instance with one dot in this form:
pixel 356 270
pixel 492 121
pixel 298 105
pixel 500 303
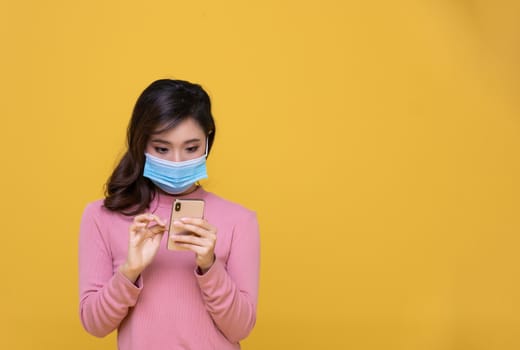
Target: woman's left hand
pixel 202 242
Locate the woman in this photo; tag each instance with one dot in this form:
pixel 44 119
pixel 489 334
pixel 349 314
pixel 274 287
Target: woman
pixel 201 297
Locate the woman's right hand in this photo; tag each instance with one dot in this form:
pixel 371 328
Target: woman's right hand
pixel 145 237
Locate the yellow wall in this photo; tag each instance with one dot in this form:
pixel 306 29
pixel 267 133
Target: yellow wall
pixel 378 141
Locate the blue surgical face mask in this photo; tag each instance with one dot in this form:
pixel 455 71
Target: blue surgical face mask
pixel 175 177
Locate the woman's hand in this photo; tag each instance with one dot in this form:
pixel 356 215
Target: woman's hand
pixel 202 242
pixel 145 237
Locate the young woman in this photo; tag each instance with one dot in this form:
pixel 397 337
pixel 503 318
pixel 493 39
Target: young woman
pixel 201 297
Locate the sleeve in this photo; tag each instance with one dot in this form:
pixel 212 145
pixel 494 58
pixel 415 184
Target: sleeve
pixel 105 297
pixel 231 294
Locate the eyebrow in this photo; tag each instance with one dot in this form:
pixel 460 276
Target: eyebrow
pixel 169 143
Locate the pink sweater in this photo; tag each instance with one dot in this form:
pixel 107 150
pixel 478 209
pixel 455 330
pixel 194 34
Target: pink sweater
pixel 170 306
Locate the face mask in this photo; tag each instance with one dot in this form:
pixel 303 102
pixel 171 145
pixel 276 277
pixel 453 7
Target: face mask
pixel 175 177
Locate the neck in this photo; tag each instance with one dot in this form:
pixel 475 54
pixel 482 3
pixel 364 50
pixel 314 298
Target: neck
pixel 192 189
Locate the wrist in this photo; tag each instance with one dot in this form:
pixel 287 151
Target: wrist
pixel 202 269
pixel 132 274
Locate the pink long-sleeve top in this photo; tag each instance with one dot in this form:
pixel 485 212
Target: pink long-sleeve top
pixel 170 306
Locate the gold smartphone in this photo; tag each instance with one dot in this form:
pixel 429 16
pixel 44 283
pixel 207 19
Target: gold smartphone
pixel 184 208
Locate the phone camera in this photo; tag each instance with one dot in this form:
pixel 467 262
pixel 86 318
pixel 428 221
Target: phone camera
pixel 177 206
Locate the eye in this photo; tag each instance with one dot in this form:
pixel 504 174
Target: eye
pixel 161 150
pixel 192 149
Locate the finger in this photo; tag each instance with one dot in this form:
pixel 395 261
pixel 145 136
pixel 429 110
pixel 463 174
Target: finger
pixel 137 227
pixel 198 250
pixel 189 239
pixel 156 229
pixel 147 236
pixel 137 237
pixel 198 222
pixel 157 238
pixel 149 217
pixel 157 219
pixel 142 218
pixel 200 231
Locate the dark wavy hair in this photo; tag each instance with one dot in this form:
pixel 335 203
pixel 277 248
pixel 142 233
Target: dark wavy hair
pixel 162 106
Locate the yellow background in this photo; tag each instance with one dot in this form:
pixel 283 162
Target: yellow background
pixel 378 142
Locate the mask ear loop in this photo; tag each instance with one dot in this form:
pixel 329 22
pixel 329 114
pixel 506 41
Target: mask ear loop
pixel 207 142
pixel 207 145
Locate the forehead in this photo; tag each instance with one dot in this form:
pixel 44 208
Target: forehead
pixel 187 129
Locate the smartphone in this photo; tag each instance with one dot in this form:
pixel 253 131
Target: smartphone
pixel 184 208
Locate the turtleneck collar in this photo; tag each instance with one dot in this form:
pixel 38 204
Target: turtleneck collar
pixel 164 200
